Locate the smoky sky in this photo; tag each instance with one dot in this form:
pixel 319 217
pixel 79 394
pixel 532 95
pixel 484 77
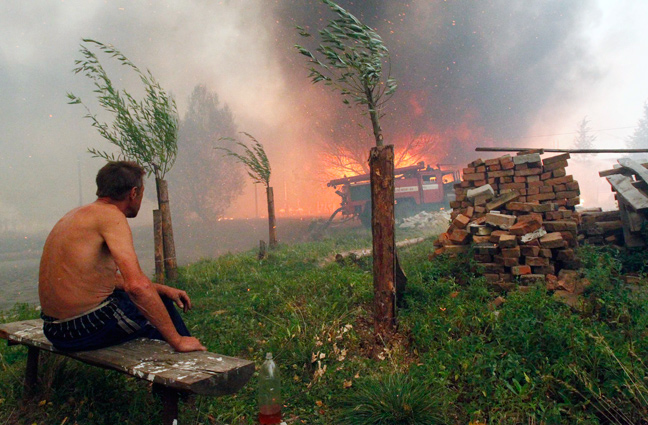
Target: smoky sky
pixel 489 67
pixel 494 63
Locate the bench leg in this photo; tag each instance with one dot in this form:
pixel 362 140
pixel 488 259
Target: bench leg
pixel 169 404
pixel 31 374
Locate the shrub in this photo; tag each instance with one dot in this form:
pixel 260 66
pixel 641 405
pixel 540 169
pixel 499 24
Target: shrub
pixel 391 400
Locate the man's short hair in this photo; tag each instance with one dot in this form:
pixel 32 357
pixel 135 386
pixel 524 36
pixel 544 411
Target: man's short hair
pixel 116 179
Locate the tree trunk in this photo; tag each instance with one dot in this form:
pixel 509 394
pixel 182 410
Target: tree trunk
pixel 159 246
pixel 272 224
pixel 381 163
pixel 170 263
pixel 373 113
pixel 262 250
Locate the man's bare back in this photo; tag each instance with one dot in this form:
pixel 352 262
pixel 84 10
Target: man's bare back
pixel 77 271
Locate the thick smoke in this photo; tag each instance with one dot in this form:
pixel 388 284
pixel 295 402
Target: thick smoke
pixel 470 73
pixel 474 73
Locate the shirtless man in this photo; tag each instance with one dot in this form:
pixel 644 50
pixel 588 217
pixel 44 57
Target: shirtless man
pixel 92 290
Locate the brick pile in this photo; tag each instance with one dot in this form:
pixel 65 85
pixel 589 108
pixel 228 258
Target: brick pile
pixel 517 213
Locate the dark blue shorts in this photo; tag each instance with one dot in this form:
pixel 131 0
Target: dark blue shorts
pixel 117 320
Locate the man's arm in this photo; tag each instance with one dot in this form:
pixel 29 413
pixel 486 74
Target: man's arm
pixel 117 234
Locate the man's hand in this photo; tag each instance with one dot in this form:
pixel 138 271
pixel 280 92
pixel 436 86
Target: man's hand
pixel 176 295
pixel 188 343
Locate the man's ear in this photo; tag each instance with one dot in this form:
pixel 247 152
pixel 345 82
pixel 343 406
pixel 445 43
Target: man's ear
pixel 133 193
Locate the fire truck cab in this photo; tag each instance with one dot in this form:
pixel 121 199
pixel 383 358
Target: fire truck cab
pixel 416 188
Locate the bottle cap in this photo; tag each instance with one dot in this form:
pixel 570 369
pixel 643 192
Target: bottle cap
pixel 268 356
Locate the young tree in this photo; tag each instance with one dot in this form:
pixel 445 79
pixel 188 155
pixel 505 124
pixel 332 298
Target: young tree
pixel 258 168
pixel 639 139
pixel 145 131
pixel 203 183
pixel 350 59
pixel 584 138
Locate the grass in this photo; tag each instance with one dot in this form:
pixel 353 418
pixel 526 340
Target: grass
pixel 456 358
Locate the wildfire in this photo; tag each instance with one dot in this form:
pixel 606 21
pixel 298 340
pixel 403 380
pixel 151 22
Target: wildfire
pixel 348 162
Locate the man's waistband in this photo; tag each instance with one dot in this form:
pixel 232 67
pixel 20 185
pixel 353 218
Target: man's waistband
pixel 53 320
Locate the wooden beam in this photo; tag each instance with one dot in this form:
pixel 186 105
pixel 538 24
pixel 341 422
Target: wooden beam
pixel 631 239
pixel 636 168
pixel 614 171
pixel 484 149
pixel 626 191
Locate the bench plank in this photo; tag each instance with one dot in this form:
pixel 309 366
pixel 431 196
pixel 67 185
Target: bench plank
pixel 199 372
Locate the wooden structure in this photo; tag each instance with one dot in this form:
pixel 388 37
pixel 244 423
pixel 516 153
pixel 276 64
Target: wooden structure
pixel 171 373
pixel 630 182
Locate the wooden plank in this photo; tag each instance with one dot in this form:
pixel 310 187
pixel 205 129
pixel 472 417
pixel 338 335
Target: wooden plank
pixel 637 168
pixel 625 190
pixel 632 240
pixel 485 149
pixel 619 170
pixel 199 372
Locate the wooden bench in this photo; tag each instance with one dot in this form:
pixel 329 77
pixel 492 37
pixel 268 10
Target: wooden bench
pixel 171 373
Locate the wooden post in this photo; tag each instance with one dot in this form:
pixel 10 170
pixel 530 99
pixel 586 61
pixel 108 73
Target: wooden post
pixel 170 263
pixel 272 224
pixel 31 373
pixel 262 250
pixel 381 164
pixel 159 246
pixel 169 398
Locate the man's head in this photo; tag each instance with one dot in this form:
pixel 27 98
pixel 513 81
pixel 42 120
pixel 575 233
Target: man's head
pixel 122 180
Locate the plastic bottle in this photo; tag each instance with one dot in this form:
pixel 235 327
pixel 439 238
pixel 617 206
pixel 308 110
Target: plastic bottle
pixel 269 396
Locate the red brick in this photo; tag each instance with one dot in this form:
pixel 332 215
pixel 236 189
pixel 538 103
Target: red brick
pixel 459 237
pixel 481 239
pixel 461 221
pixel 529 251
pixel 555 165
pixel 552 240
pixel 559 172
pixel 474 176
pixel 536 261
pixel 522 228
pixel 520 270
pixel 508 165
pixel 545 252
pixel 528 172
pixel 511 252
pixel 505 173
pixel 511 262
pixel 495 236
pixel 556 158
pixel 508 241
pixel 542 197
pixel 560 180
pixel 568 194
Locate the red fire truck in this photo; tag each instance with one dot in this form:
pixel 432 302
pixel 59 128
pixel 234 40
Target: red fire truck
pixel 416 187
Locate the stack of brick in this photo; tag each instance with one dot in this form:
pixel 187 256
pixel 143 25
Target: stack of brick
pixel 517 213
pixel 599 227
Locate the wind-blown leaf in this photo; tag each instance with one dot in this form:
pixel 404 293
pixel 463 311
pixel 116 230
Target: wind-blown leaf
pixel 145 131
